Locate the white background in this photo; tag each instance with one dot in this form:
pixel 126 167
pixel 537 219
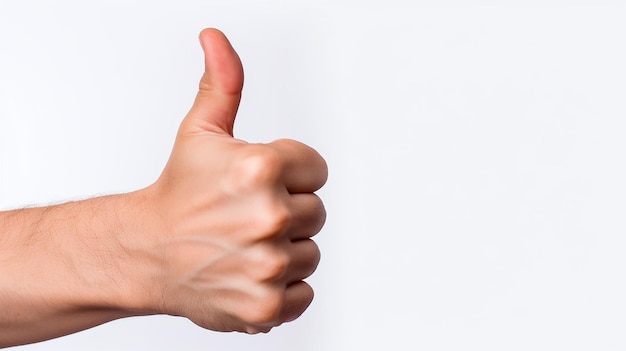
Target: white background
pixel 477 193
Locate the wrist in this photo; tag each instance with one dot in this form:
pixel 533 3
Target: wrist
pixel 135 236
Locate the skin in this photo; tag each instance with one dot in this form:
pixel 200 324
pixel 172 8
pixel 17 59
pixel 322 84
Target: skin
pixel 223 237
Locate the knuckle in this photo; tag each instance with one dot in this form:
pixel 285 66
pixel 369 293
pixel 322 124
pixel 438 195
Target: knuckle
pixel 258 166
pixel 273 220
pixel 271 266
pixel 265 309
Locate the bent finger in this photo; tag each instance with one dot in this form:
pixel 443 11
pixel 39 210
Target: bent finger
pixel 304 169
pixel 298 297
pixel 308 216
pixel 304 257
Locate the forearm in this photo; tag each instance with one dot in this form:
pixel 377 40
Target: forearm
pixel 222 237
pixel 66 268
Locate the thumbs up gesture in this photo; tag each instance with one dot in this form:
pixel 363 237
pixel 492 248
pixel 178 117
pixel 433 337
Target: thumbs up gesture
pixel 230 241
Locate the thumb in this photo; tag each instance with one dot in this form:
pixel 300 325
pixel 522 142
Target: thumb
pixel 215 106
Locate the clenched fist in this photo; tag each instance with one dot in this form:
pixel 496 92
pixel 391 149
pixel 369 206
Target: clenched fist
pixel 222 237
pixel 236 218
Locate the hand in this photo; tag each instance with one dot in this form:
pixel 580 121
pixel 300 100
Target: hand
pixel 233 220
